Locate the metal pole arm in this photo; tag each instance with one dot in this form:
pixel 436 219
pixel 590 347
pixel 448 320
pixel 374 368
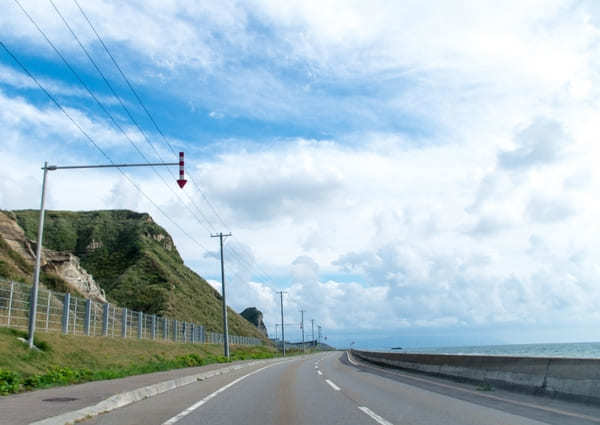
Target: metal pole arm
pixel 69 167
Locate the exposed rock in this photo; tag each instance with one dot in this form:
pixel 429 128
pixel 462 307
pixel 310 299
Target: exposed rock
pixel 255 316
pixel 165 240
pixel 67 266
pixel 94 245
pixel 64 264
pixel 15 238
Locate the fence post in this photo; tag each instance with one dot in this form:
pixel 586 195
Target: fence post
pixel 88 316
pixel 140 324
pixel 94 321
pixel 165 328
pixel 124 323
pixel 154 326
pixel 10 300
pixel 105 315
pixel 185 329
pixel 201 334
pixel 175 330
pixel 192 330
pixel 48 310
pixel 75 317
pixel 66 311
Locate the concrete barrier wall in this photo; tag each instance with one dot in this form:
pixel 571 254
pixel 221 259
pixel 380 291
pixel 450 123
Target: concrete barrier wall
pixel 575 379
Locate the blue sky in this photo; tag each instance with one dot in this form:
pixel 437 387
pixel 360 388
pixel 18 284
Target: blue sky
pixel 408 173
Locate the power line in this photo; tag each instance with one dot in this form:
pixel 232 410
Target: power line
pixel 89 91
pixel 241 259
pixel 91 140
pixel 129 114
pixel 138 98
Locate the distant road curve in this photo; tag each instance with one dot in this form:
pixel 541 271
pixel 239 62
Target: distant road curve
pixel 332 388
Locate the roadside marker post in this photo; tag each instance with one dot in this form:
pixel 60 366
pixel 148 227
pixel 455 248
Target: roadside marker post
pixel 38 257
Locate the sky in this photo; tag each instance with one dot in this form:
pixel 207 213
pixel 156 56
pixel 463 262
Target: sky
pixel 409 173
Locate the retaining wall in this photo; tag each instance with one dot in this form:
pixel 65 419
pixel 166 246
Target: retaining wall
pixel 575 379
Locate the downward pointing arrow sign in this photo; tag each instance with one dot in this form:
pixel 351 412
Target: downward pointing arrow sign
pixel 181 182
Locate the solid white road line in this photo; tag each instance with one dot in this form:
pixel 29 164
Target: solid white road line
pixel 193 407
pixel 332 385
pixel 374 415
pixel 319 372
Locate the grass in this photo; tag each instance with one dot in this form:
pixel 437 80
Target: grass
pixel 485 387
pixel 69 359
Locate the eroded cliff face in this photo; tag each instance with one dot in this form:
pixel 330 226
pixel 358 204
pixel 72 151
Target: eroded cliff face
pixel 63 264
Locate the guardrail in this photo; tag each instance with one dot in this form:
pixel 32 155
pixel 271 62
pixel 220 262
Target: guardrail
pixel 57 311
pixel 568 378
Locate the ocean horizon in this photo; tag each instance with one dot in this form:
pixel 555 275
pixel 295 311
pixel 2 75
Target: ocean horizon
pixel 563 350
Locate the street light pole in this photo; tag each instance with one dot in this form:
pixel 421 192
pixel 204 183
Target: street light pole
pixel 38 259
pixel 38 255
pixel 225 326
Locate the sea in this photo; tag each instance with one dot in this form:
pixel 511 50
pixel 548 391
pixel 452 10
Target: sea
pixel 588 350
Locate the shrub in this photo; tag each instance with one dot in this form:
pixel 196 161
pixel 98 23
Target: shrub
pixel 10 382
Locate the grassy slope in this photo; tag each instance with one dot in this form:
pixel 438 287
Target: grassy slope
pixel 135 270
pixel 102 358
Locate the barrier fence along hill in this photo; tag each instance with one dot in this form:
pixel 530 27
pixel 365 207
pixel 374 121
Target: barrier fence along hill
pixel 69 314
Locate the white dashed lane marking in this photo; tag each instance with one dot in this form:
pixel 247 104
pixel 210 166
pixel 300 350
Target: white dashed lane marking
pixel 332 385
pixel 374 416
pixel 319 372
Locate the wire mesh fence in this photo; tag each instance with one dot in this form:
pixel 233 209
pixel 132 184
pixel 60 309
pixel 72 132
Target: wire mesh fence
pixel 68 314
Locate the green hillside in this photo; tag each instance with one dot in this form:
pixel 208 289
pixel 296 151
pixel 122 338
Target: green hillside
pixel 136 263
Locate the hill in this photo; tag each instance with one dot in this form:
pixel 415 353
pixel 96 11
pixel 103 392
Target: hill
pixel 133 261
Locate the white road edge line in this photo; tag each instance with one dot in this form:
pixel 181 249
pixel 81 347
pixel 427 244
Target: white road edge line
pixel 194 406
pixel 332 385
pixel 319 372
pixel 374 416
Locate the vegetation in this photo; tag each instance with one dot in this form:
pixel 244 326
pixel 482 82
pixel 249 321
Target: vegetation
pixel 133 259
pixel 68 359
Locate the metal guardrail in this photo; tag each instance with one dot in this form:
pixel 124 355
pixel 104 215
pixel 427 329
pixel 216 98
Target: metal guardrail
pixel 69 314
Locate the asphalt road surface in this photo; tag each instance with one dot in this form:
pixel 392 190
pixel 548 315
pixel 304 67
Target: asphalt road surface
pixel 330 388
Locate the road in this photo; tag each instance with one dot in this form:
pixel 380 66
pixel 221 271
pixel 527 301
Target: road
pixel 330 388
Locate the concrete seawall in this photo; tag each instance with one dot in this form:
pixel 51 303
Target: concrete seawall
pixel 574 379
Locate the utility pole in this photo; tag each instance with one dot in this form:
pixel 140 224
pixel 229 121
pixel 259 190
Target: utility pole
pixel 319 333
pixel 282 326
pixel 312 326
pixel 225 327
pixel 38 255
pixel 302 327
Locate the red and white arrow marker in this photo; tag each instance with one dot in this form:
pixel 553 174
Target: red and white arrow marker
pixel 182 181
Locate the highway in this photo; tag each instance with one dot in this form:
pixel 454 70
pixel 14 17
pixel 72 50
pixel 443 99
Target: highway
pixel 331 388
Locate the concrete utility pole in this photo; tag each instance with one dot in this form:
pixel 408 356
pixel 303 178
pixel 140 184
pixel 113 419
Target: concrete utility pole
pixel 319 334
pixel 38 255
pixel 225 327
pixel 312 326
pixel 302 327
pixel 282 326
